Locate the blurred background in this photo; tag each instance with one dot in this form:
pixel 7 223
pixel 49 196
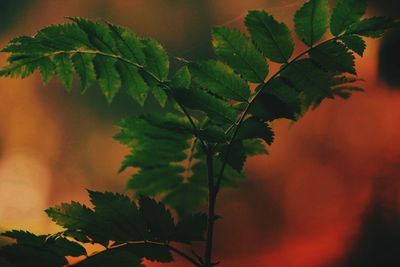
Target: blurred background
pixel 326 196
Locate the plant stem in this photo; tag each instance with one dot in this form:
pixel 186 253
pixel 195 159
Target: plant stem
pixel 211 211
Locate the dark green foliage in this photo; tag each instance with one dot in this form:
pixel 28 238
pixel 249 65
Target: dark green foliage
pixel 215 121
pixel 272 37
pixel 311 21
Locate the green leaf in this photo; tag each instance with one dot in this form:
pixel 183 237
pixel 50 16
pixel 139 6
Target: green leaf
pixel 334 57
pixel 311 21
pixel 98 34
pixel 71 216
pixel 21 66
pixel 182 78
pixel 160 95
pixel 158 218
pixel 83 64
pixel 108 76
pixel 253 128
pixel 128 44
pixel 133 82
pixel 119 215
pixel 254 147
pixel 272 37
pixel 238 51
pixel 63 246
pixel 345 92
pixel 346 13
pixel 47 69
pixel 309 79
pixel 277 100
pixel 372 27
pixel 64 69
pixel 191 228
pixel 220 79
pixel 354 43
pixel 157 61
pixel 234 155
pixel 199 100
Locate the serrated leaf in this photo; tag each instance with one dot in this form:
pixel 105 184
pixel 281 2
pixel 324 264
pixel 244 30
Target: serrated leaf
pixel 199 100
pixel 334 57
pixel 128 44
pixel 120 216
pixel 108 76
pixel 182 78
pixel 253 128
pixel 47 69
pixel 234 155
pixel 346 91
pixel 220 79
pixel 64 247
pixel 71 216
pixel 83 64
pixel 64 69
pixel 373 27
pixel 238 51
pixel 272 37
pixel 158 218
pixel 160 95
pixel 191 228
pixel 309 79
pixel 157 61
pixel 277 100
pixel 345 13
pixel 354 43
pixel 311 21
pixel 133 82
pixel 98 34
pixel 254 147
pixel 21 66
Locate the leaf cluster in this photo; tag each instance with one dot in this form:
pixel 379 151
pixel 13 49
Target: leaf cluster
pixel 221 112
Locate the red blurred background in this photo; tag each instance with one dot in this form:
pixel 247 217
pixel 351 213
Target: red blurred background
pixel 330 182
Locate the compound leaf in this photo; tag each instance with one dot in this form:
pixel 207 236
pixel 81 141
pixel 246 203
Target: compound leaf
pixel 64 69
pixel 108 76
pixel 354 43
pixel 157 61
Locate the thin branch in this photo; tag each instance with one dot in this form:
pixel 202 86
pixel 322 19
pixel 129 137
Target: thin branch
pixel 211 210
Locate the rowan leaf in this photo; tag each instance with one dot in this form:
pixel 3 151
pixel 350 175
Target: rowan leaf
pixel 272 37
pixel 373 27
pixel 220 79
pixel 108 76
pixel 237 50
pixel 157 61
pixel 311 21
pixel 354 43
pixel 346 13
pixel 64 69
pixel 83 64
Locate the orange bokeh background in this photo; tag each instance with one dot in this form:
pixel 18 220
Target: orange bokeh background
pixel 301 206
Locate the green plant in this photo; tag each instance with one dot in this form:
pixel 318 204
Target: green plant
pixel 187 155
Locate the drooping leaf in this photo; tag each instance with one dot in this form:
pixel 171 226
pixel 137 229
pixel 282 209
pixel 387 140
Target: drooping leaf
pixel 64 69
pixel 133 82
pixel 157 61
pixel 220 79
pixel 108 76
pixel 334 57
pixel 237 51
pixel 373 27
pixel 160 95
pixel 254 128
pixel 254 147
pixel 47 69
pixel 128 44
pixel 199 100
pixel 84 66
pixel 354 43
pixel 346 13
pixel 234 155
pixel 277 100
pixel 272 37
pixel 311 21
pixel 309 79
pixel 346 91
pixel 182 78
